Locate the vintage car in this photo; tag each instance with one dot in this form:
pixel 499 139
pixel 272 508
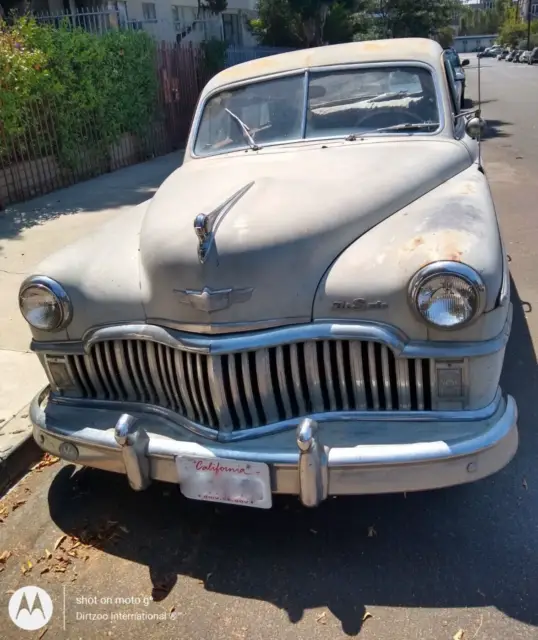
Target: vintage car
pixel 315 303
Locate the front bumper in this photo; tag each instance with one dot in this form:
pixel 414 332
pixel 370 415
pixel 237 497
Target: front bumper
pixel 333 458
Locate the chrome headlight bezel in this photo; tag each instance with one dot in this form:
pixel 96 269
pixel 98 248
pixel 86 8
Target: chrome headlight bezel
pixel 449 268
pixel 59 293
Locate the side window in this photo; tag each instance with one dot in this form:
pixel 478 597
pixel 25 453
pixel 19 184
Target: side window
pixel 451 86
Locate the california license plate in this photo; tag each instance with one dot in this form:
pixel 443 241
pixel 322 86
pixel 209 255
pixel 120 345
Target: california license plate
pixel 225 481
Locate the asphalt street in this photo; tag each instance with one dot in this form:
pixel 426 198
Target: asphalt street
pixel 459 563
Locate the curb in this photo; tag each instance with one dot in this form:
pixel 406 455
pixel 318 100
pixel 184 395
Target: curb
pixel 18 450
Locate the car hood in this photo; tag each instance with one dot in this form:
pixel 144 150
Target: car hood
pixel 282 218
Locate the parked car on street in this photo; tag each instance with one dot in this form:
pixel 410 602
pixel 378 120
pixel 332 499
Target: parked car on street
pixel 317 302
pixel 459 74
pixel 490 52
pixel 502 55
pixel 525 56
pixel 533 58
pixel 510 57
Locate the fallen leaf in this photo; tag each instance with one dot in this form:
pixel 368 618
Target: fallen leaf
pixel 30 565
pixel 10 592
pixel 5 555
pixel 367 615
pixel 24 569
pixel 48 554
pixel 3 510
pixel 47 460
pixel 458 635
pixel 59 541
pixel 44 570
pixel 525 485
pixel 172 609
pixel 372 532
pixel 322 618
pixel 17 504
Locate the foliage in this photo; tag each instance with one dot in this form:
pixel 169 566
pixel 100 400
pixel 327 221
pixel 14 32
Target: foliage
pixel 214 52
pixel 515 30
pixel 475 21
pixel 445 37
pixel 88 89
pixel 306 23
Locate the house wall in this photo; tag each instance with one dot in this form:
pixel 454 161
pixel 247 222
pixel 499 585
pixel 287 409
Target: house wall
pixel 158 17
pixel 464 44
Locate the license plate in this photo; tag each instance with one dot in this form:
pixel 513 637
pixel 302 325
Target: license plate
pixel 225 481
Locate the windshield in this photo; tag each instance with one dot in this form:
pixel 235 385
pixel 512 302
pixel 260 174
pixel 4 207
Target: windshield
pixel 344 103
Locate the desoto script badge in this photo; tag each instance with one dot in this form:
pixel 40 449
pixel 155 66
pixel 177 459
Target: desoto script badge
pixel 359 304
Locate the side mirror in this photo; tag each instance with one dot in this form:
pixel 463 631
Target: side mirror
pixel 465 62
pixel 475 127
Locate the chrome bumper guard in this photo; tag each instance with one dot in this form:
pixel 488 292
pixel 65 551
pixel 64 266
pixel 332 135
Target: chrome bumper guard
pixel 314 471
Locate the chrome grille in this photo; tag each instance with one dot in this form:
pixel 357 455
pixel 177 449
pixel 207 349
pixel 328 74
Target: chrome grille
pixel 254 388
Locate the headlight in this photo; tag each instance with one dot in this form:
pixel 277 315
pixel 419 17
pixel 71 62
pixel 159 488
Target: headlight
pixel 447 295
pixel 44 304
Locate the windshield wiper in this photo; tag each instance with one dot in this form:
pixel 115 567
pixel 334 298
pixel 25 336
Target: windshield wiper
pixel 408 126
pixel 244 129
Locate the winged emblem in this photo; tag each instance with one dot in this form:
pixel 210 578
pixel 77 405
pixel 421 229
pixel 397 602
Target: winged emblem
pixel 210 300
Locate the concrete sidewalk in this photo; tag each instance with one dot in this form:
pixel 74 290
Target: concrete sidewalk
pixel 29 232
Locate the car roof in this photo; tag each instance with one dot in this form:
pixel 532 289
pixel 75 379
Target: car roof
pixel 390 50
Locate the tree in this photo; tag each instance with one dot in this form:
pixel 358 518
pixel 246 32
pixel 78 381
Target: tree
pixel 445 37
pixel 415 18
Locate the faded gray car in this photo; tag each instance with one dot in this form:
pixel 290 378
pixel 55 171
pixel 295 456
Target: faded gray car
pixel 316 303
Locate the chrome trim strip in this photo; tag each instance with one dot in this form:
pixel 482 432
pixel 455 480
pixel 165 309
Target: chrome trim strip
pixel 283 376
pixel 125 378
pixel 72 374
pixel 284 425
pixel 224 422
pixel 342 374
pixel 390 336
pixel 313 380
pixel 228 327
pixel 329 381
pixel 86 384
pixel 404 396
pixel 296 378
pixel 251 403
pixel 358 375
pixel 265 385
pixel 236 393
pixel 372 369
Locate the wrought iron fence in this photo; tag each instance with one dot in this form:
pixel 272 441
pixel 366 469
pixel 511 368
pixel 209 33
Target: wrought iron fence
pixel 93 19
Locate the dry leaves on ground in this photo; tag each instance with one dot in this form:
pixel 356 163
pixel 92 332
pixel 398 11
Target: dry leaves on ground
pixel 46 461
pixel 322 618
pixel 458 635
pixel 366 615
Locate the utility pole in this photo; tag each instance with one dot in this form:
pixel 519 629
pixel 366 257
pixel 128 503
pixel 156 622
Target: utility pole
pixel 529 2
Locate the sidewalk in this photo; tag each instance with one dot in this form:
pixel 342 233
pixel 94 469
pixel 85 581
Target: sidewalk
pixel 29 232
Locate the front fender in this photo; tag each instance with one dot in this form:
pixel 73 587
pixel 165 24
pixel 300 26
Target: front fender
pixel 370 279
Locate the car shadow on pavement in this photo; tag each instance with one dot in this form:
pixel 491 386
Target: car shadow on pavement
pixel 468 546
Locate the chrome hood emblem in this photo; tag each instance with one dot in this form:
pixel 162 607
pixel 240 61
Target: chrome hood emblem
pixel 206 224
pixel 210 300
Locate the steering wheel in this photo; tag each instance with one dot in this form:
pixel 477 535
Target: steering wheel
pixel 389 114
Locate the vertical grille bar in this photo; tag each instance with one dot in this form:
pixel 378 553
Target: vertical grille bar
pixel 283 376
pixel 133 366
pixel 312 371
pixel 154 373
pixel 94 377
pixel 142 354
pixel 124 370
pixel 174 380
pixel 81 371
pixel 404 395
pixel 419 383
pixel 342 374
pixel 192 384
pixel 181 380
pixel 245 367
pixel 163 374
pixel 372 370
pixel 357 372
pixel 217 391
pixel 73 374
pixel 266 386
pixel 296 379
pixel 106 374
pixel 236 396
pixel 200 364
pixel 387 383
pixel 329 374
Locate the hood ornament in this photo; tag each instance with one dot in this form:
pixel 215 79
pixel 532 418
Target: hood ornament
pixel 210 300
pixel 206 224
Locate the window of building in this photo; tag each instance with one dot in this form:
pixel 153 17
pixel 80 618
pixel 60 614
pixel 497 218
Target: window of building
pixel 233 33
pixel 149 12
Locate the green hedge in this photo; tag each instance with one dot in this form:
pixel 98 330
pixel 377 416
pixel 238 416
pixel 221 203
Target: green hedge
pixel 81 89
